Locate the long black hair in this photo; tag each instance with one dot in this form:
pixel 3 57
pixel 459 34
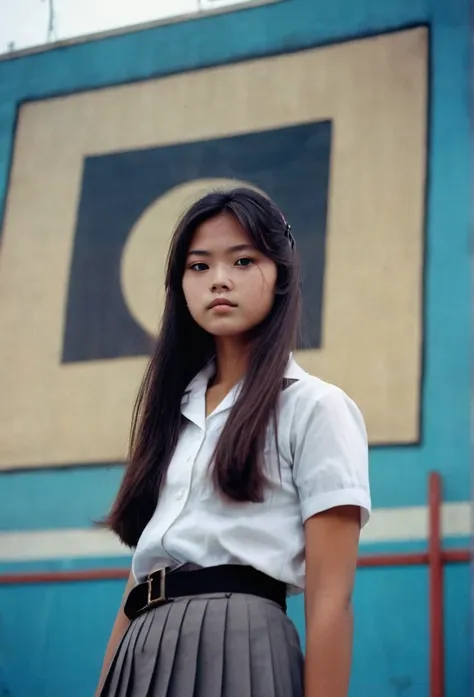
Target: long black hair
pixel 183 348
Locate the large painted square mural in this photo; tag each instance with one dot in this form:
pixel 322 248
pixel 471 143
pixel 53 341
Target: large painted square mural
pixel 336 134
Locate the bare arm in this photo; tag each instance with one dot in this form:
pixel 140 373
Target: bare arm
pixel 118 630
pixel 332 539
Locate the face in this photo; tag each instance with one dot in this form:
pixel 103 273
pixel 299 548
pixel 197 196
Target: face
pixel 228 284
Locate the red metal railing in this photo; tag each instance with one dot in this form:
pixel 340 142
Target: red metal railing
pixel 435 558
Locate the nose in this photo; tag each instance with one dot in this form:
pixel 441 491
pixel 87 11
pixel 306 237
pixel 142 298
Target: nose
pixel 220 281
pixel 217 286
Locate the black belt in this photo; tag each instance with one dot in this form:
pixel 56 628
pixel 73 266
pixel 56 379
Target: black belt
pixel 165 585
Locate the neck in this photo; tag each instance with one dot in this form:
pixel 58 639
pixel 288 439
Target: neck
pixel 231 359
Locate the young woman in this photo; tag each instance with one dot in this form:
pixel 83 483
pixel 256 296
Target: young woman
pixel 247 481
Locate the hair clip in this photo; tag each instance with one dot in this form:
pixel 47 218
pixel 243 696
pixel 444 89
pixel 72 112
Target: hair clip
pixel 289 235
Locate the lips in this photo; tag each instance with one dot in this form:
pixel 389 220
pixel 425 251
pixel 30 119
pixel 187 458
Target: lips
pixel 221 302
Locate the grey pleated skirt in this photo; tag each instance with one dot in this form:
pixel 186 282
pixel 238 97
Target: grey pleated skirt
pixel 217 645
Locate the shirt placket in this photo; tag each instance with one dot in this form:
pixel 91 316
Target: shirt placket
pixel 181 495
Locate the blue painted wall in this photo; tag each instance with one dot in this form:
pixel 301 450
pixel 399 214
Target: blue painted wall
pixel 391 653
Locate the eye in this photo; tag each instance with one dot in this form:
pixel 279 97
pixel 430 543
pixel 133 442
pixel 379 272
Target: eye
pixel 245 261
pixel 199 266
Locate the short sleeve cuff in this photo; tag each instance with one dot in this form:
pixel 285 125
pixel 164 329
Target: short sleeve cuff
pixel 332 499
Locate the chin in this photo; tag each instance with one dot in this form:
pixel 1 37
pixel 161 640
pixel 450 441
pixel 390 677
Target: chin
pixel 220 329
pixel 225 331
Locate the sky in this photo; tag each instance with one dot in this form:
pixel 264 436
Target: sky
pixel 24 23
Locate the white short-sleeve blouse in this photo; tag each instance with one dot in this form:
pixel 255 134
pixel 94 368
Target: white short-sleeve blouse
pixel 323 464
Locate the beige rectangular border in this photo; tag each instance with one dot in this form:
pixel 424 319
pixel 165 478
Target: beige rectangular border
pixel 374 89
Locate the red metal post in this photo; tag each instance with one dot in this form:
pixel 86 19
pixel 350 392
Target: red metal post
pixel 436 595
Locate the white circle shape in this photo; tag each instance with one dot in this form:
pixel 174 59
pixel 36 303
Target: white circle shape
pixel 143 264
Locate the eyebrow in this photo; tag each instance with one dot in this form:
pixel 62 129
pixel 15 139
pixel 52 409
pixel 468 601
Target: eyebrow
pixel 230 250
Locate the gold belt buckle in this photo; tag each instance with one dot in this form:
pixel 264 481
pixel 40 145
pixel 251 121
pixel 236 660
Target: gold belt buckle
pixel 162 596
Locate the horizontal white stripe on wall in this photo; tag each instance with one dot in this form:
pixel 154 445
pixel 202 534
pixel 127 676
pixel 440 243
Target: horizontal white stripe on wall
pixel 65 543
pixel 411 523
pixel 386 525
